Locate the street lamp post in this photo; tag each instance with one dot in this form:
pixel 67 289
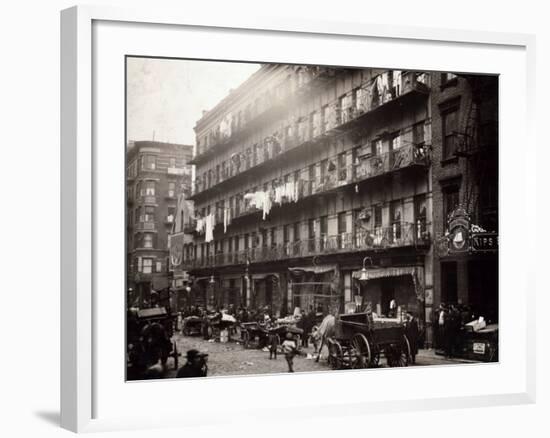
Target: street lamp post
pixel 363 278
pixel 247 280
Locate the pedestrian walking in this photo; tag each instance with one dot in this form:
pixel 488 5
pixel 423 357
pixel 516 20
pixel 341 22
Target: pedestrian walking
pixel 290 350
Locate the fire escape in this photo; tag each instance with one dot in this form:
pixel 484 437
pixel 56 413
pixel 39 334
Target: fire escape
pixel 478 146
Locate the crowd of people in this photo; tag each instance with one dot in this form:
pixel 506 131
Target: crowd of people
pixel 448 321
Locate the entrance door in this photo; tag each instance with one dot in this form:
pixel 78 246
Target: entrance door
pixel 449 286
pixel 387 294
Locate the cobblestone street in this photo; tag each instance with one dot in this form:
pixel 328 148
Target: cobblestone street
pixel 229 359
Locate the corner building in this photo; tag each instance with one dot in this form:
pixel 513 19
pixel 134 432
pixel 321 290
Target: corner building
pixel 305 171
pixel 156 174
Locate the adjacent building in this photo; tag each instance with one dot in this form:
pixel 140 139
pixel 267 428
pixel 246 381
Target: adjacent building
pixel 305 175
pixel 465 190
pixel 156 174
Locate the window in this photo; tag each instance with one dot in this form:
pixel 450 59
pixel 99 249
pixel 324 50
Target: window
pixel 296 237
pixel 236 243
pixel 418 133
pixel 342 170
pixel 286 238
pixel 377 216
pixel 147 240
pixel 420 215
pixel 450 202
pixel 296 231
pixel 315 124
pixel 171 189
pixel 273 237
pixel 326 119
pixel 377 147
pixel 323 226
pixel 395 141
pixel 149 214
pixel 172 162
pixel 342 224
pixel 246 241
pixel 137 215
pixel 342 229
pixel 149 162
pixel 396 214
pixel 149 188
pixel 449 121
pixel 147 265
pixel 311 234
pixel 311 178
pixel 158 267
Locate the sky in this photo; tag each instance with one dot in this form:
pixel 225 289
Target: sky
pixel 166 97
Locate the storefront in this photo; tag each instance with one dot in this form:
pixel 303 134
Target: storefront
pixel 315 288
pixel 392 291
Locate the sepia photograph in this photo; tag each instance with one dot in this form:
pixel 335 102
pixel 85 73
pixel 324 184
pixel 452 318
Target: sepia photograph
pixel 285 218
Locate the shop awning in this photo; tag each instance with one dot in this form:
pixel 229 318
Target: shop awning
pixel 263 276
pixel 387 272
pixel 416 273
pixel 317 269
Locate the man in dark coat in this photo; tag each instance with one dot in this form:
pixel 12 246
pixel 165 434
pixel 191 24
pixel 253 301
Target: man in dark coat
pixel 195 366
pixel 412 332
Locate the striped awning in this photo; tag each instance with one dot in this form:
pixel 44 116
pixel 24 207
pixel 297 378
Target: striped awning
pixel 317 269
pixel 416 273
pixel 387 272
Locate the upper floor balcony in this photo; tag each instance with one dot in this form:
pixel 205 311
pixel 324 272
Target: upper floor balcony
pixel 368 168
pixel 398 235
pixel 344 113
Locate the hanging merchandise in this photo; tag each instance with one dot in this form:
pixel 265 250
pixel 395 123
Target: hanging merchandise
pixel 209 228
pixel 200 225
pixel 226 219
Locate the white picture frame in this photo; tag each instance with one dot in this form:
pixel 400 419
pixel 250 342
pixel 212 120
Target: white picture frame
pixel 84 362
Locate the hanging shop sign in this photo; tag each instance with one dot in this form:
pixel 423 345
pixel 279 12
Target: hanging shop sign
pixel 459 231
pixel 463 236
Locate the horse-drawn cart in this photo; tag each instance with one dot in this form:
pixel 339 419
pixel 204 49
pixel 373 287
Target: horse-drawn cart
pixel 359 341
pixel 149 340
pixel 192 325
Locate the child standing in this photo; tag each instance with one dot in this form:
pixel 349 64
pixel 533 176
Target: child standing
pixel 290 350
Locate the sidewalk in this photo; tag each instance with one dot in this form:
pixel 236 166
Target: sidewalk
pixel 428 357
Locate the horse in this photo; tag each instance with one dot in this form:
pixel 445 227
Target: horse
pixel 323 333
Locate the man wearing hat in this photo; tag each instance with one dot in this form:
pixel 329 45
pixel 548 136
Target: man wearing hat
pixel 195 366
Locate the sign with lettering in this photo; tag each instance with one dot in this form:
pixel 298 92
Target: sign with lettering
pixel 464 237
pixel 484 242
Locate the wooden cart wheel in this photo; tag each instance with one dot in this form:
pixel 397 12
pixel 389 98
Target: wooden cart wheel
pixel 246 338
pixel 397 355
pixel 405 357
pixel 175 355
pixel 361 356
pixel 338 363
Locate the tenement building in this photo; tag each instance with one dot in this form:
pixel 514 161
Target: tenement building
pixel 304 176
pixel 465 191
pixel 156 173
